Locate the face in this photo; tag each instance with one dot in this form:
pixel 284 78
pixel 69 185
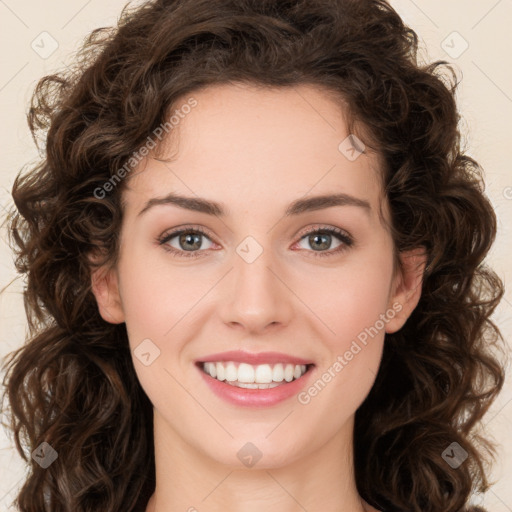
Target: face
pixel 316 283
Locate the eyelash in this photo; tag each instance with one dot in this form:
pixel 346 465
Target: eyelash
pixel 340 234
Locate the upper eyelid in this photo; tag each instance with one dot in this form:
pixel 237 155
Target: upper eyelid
pixel 322 227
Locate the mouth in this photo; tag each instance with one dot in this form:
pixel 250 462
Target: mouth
pixel 254 376
pixel 250 379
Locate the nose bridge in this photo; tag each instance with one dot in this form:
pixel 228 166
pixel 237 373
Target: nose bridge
pixel 258 297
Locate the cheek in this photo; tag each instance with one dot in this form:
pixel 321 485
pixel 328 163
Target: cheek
pixel 157 293
pixel 351 354
pixel 350 299
pixel 359 309
pixel 353 306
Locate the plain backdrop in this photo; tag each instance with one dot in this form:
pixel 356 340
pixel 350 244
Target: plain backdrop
pixel 37 38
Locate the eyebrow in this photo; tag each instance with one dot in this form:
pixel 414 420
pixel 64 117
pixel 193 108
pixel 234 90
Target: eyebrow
pixel 297 207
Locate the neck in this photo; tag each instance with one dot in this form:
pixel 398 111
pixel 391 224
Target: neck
pixel 189 480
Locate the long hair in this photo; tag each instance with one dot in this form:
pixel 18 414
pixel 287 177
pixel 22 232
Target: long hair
pixel 73 386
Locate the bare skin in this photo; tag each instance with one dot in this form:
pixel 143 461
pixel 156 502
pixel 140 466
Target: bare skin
pixel 256 151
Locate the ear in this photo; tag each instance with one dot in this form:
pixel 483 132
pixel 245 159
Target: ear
pixel 105 287
pixel 406 290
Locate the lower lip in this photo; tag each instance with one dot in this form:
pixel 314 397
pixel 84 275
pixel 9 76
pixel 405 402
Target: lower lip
pixel 256 397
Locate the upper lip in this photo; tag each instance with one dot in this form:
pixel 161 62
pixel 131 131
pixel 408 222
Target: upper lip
pixel 241 356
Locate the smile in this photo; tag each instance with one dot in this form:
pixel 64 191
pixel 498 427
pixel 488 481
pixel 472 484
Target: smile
pixel 261 385
pixel 262 376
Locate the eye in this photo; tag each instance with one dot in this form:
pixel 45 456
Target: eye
pixel 188 242
pixel 320 239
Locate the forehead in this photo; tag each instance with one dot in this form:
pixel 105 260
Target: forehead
pixel 249 146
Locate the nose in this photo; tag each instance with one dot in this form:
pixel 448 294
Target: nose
pixel 258 296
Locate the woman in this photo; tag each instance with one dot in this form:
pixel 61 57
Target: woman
pixel 254 253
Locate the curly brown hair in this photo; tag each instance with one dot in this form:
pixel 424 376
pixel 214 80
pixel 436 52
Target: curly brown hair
pixel 73 384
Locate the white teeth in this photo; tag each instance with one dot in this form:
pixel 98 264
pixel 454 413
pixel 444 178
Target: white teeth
pixel 278 373
pixel 288 372
pixel 253 385
pixel 231 372
pixel 245 373
pixel 260 376
pixel 221 373
pixel 263 374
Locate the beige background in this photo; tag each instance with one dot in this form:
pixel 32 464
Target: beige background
pixel 473 35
